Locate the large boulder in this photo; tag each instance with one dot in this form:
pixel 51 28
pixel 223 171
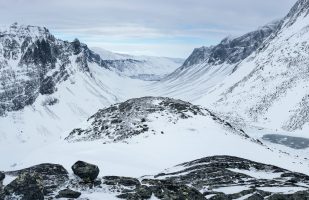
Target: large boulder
pixel 68 193
pixel 27 186
pixel 86 171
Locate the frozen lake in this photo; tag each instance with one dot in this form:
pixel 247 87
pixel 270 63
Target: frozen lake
pixel 292 142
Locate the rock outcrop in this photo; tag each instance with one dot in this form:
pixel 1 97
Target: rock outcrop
pixel 68 193
pixel 206 178
pixel 123 121
pixel 86 171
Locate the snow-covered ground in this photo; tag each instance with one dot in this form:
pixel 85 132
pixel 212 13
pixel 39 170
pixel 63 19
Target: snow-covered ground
pixel 188 139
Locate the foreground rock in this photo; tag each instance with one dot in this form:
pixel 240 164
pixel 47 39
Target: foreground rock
pixel 302 195
pixel 26 186
pixel 133 189
pixel 214 174
pixel 86 171
pixel 2 176
pixel 53 176
pixel 207 178
pixel 68 193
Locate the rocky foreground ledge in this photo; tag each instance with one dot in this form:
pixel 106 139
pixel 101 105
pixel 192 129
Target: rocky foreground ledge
pixel 218 177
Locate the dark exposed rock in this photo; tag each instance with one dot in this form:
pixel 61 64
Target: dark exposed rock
pixel 226 171
pixel 159 188
pixel 76 45
pixel 205 175
pixel 68 193
pixel 86 171
pixel 218 171
pixel 302 195
pixel 231 50
pixel 125 181
pixel 2 176
pixel 169 190
pixel 140 193
pixel 53 176
pixel 27 186
pixel 47 86
pixel 255 197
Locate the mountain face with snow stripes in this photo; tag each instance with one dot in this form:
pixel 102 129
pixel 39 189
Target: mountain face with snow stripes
pixel 274 91
pixel 34 62
pixel 260 77
pixel 208 66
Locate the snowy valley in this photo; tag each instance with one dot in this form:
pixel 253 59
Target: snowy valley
pixel 229 122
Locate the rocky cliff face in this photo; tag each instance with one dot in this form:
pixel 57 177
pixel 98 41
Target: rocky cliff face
pixel 33 62
pixel 231 50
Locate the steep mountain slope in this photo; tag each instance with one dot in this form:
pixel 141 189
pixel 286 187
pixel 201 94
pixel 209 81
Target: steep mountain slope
pixel 271 85
pixel 208 66
pixel 139 67
pixel 260 77
pixel 33 62
pixel 49 85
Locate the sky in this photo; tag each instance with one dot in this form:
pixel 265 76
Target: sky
pixel 171 28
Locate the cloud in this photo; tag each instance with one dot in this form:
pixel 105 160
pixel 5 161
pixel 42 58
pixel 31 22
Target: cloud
pixel 127 21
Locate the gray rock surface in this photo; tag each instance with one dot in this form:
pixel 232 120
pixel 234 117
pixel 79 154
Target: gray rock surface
pixel 68 193
pixel 86 171
pixel 26 187
pixel 199 179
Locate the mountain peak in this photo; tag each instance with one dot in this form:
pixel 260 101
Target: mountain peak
pixel 20 30
pixel 300 8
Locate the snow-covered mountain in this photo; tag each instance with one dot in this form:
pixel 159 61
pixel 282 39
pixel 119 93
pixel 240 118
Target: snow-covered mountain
pixel 260 77
pixel 34 62
pixel 147 68
pixel 271 86
pixel 49 85
pixel 208 66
